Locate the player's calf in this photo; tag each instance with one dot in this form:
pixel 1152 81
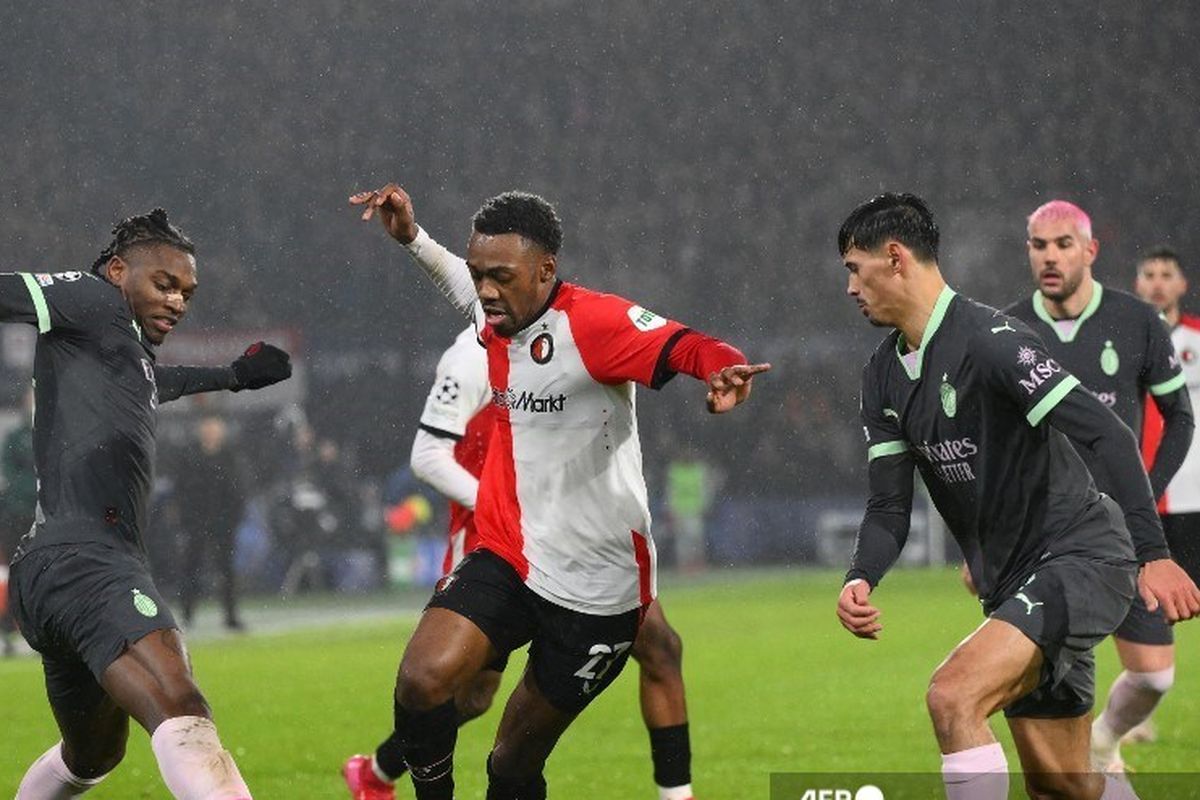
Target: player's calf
pixel 427 740
pixel 193 763
pixel 658 649
pixel 1131 701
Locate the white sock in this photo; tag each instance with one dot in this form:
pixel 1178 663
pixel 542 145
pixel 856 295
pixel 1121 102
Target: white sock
pixel 980 773
pixel 50 779
pixel 192 762
pixel 379 773
pixel 675 792
pixel 1133 698
pixel 1117 789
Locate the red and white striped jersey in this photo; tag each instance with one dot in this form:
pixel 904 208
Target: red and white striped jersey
pixel 459 404
pixel 1183 492
pixel 562 498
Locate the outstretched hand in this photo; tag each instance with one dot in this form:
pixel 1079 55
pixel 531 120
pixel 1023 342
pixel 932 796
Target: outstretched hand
pixel 731 386
pixel 395 210
pixel 261 365
pixel 855 611
pixel 1164 583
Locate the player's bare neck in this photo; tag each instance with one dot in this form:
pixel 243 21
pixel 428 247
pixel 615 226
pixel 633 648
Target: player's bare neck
pixel 925 294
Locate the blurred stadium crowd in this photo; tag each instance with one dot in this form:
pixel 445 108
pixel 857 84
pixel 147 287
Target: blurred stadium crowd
pixel 700 156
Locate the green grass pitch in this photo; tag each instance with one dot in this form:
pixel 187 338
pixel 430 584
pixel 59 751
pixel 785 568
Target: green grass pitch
pixel 774 684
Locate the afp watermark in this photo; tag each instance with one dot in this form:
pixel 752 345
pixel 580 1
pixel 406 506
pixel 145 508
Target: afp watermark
pixel 865 792
pixel 827 786
pixel 929 786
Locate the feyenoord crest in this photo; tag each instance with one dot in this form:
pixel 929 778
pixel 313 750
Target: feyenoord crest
pixel 542 348
pixel 949 397
pixel 1110 362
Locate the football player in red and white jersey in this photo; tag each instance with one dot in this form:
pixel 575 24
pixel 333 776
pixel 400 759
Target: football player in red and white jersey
pixel 1162 283
pixel 564 559
pixel 448 453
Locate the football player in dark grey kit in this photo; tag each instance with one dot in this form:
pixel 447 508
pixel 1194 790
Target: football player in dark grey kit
pixel 1120 348
pixel 80 584
pixel 970 397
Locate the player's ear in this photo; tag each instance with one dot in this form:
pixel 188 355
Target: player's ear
pixel 116 270
pixel 894 252
pixel 547 268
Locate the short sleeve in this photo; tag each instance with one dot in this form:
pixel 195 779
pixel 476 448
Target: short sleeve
pixel 55 301
pixel 460 388
pixel 881 423
pixel 1162 373
pixel 619 340
pixel 1014 362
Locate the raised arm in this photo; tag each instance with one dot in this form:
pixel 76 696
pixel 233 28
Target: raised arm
pixel 447 271
pixel 261 365
pixel 722 366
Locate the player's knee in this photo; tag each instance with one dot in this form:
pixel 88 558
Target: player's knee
pixel 948 703
pixel 423 684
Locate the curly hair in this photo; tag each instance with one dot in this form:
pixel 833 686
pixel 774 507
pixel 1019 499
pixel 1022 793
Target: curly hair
pixel 152 228
pixel 522 213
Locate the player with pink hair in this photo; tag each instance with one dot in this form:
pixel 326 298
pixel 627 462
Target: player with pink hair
pixel 1120 349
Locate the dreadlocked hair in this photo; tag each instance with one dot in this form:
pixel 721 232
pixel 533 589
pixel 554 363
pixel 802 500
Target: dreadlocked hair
pixel 152 228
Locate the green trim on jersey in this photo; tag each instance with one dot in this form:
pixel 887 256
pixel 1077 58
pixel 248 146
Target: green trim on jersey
pixel 1052 398
pixel 931 327
pixel 1039 308
pixel 1168 386
pixel 886 449
pixel 39 302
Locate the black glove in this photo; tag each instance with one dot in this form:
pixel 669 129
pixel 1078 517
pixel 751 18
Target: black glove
pixel 261 365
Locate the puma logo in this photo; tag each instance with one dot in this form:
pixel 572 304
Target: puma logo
pixel 1029 604
pixel 1007 326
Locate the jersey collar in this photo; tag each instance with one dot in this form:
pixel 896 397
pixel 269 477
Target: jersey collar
pixel 931 327
pixel 1039 308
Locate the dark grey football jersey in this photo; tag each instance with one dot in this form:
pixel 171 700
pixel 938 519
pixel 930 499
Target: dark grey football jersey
pixel 95 397
pixel 1119 347
pixel 971 409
